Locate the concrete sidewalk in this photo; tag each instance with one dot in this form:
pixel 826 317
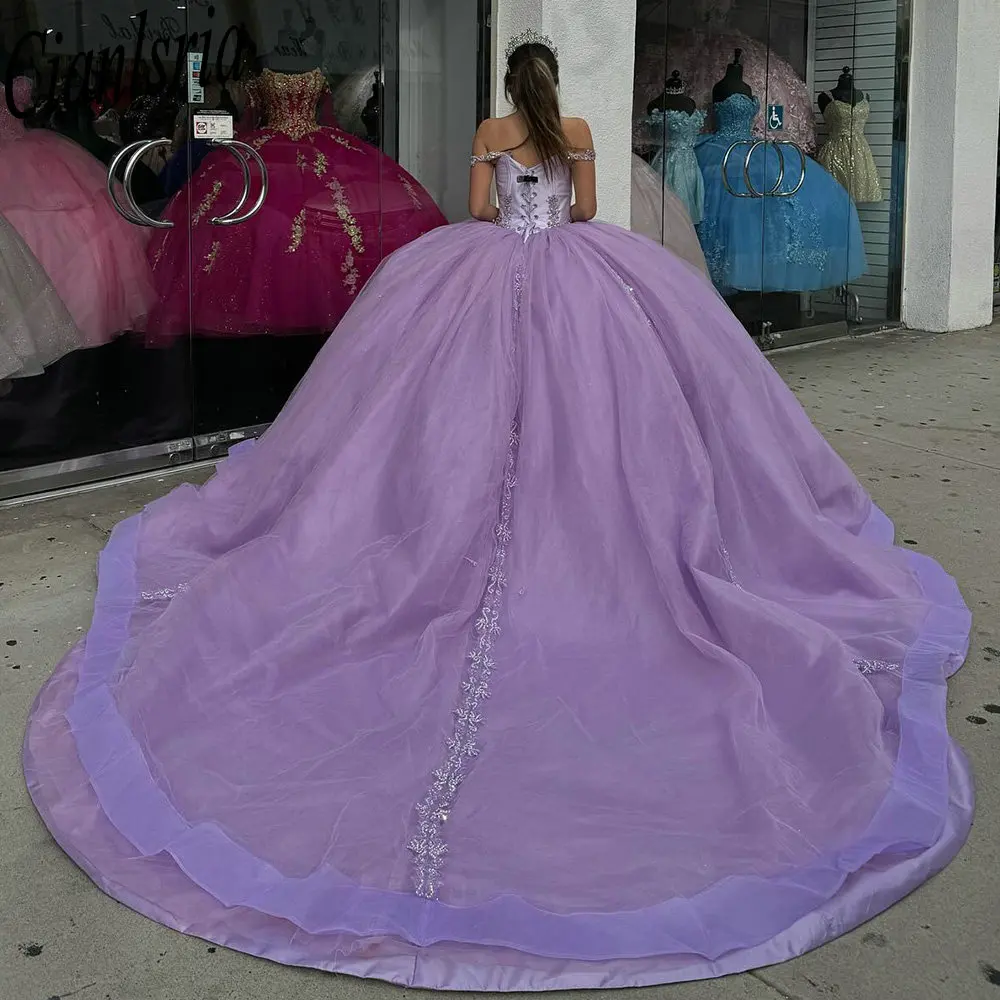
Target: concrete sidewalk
pixel 917 417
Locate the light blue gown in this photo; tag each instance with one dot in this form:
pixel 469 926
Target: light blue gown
pixel 676 132
pixel 805 242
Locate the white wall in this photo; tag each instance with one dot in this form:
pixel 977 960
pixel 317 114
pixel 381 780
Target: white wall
pixel 596 42
pixel 951 164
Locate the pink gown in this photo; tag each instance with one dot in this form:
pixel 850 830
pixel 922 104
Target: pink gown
pixel 335 207
pixel 54 194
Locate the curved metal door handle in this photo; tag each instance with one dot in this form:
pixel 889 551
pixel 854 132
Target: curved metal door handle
pixel 746 169
pixel 802 168
pixel 221 220
pixel 241 150
pixel 132 213
pixel 751 192
pixel 144 219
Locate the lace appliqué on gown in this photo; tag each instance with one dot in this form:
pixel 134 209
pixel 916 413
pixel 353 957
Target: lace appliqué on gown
pixel 865 667
pixel 576 155
pixel 869 667
pixel 336 206
pixel 532 199
pixel 429 846
pixel 164 594
pixel 767 227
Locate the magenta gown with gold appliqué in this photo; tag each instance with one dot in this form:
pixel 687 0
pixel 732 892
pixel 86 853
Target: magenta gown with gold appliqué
pixel 335 207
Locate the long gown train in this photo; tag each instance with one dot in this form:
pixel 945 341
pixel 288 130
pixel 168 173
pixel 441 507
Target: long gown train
pixel 542 642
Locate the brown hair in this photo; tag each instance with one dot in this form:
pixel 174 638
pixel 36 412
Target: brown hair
pixel 531 85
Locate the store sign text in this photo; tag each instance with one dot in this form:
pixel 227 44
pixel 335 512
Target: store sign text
pixel 84 77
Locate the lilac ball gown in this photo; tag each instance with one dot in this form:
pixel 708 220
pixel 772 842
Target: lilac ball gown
pixel 541 642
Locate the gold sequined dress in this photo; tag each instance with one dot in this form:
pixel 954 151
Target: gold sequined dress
pixel 846 154
pixel 335 207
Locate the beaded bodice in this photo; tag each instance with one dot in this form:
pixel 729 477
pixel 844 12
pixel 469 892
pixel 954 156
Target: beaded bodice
pixel 12 127
pixel 530 199
pixel 734 116
pixel 846 119
pixel 288 101
pixel 676 129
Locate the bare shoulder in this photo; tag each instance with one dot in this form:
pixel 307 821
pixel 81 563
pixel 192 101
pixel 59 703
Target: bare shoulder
pixel 492 132
pixel 577 133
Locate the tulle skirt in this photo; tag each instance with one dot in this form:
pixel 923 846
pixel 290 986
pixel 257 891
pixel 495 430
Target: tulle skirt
pixel 53 193
pixel 805 242
pixel 35 327
pixel 542 642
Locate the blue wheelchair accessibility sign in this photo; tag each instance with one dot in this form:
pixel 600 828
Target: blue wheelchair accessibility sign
pixel 775 117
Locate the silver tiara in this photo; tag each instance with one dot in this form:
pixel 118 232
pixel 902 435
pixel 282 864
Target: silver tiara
pixel 530 37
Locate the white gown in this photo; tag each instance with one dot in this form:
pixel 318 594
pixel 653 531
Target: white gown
pixel 35 327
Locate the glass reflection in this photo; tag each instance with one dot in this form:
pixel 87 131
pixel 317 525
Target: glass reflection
pixel 182 320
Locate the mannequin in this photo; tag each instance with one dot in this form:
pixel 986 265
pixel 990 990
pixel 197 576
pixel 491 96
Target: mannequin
pixel 732 82
pixel 673 98
pixel 675 123
pixel 845 92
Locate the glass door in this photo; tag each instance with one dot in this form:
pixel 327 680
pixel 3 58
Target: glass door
pixel 801 153
pixel 193 194
pixel 836 231
pixel 699 77
pixel 341 135
pixel 89 98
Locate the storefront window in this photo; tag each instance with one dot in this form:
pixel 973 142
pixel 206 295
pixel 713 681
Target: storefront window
pixel 777 125
pixel 266 157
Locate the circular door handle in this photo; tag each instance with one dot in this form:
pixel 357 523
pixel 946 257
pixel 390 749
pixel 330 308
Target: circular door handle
pixel 775 190
pixel 802 168
pixel 241 150
pixel 750 193
pixel 131 214
pixel 144 219
pixel 746 169
pixel 220 220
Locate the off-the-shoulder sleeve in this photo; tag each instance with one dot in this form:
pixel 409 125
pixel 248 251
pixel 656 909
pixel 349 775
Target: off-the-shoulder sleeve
pixel 582 155
pixel 485 158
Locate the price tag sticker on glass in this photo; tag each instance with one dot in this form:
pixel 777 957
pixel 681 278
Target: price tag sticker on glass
pixel 213 125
